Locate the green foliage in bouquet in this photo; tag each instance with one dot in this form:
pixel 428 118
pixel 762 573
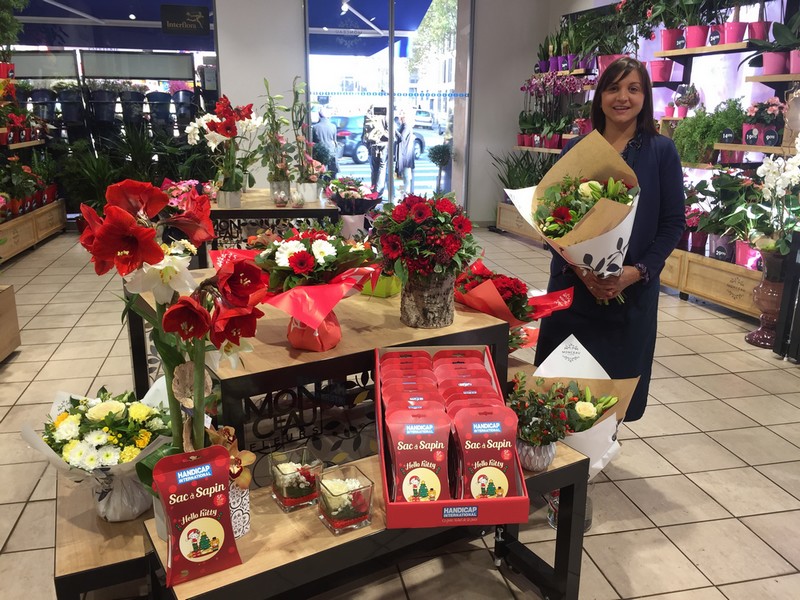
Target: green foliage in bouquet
pixel 542 418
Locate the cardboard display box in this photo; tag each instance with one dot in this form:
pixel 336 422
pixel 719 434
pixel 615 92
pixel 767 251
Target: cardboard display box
pixel 9 326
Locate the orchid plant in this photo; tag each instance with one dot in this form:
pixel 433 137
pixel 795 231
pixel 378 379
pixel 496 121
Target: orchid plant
pixel 306 169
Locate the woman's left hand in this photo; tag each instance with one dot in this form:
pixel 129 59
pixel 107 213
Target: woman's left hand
pixel 611 287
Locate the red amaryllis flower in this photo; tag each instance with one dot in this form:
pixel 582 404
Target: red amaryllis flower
pixel 421 212
pixel 561 215
pixel 241 282
pixel 93 224
pixel 243 112
pixel 400 213
pixel 136 196
pixel 391 246
pixel 223 108
pixel 301 262
pixel 228 128
pixel 195 220
pixel 444 205
pixel 188 318
pixel 233 322
pixel 462 225
pixel 122 240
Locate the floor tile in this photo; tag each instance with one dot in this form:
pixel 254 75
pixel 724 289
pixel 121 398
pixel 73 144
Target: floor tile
pixel 704 343
pixel 377 586
pixel 19 371
pixel 672 500
pixel 22 321
pixel 677 328
pixel 41 288
pixel 116 384
pixel 734 339
pixel 708 593
pixel 738 361
pixel 43 336
pixel 77 350
pixel 772 588
pixel 637 459
pixel 40 392
pixel 33 353
pixel 46 488
pixel 744 491
pixel 9 513
pixel 786 475
pixel 694 452
pixel 104 318
pixel 438 577
pixel 774 382
pixel 84 287
pixel 29 310
pixel 67 308
pixel 689 365
pixel 677 389
pixel 793 399
pixel 726 551
pixel 659 371
pixel 52 278
pixel 687 312
pixel 757 445
pixel 62 369
pixel 117 365
pixel 93 334
pixel 30 414
pixel 537 529
pixel 767 410
pixel 726 386
pixel 85 298
pixel 660 420
pixel 17 481
pixel 109 296
pixel 624 433
pixel 788 431
pixel 669 347
pixel 22 299
pixel 121 348
pixel 619 557
pixel 13 450
pixel 613 512
pixel 105 307
pixel 712 415
pixel 717 326
pixel 35 528
pixel 12 391
pixel 781 531
pixel 17 568
pixel 777 362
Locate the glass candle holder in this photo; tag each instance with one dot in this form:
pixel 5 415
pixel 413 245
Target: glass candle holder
pixel 294 478
pixel 345 499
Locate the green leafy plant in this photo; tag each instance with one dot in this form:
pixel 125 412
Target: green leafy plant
pixel 65 86
pixel 729 189
pixel 543 52
pixel 84 176
pixel 517 170
pixel 440 155
pixel 693 137
pixel 729 114
pixel 24 89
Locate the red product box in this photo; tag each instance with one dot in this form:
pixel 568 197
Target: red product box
pixel 406 354
pixel 408 363
pixel 452 512
pixel 462 372
pixel 398 388
pixel 393 374
pixel 411 405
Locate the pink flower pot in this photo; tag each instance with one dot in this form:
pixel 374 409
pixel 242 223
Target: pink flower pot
pixel 746 256
pixel 685 241
pixel 605 60
pixel 527 140
pixel 775 63
pixel 794 61
pixel 758 30
pixel 669 111
pixel 553 141
pixel 698 242
pixel 661 70
pixel 727 157
pixel 696 36
pixel 520 139
pixel 682 111
pixel 585 127
pixel 734 32
pixel 720 29
pixel 669 38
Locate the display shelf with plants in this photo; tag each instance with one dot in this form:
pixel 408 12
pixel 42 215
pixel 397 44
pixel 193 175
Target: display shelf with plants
pixel 767 79
pixel 684 53
pixel 30 144
pixel 777 150
pixel 540 150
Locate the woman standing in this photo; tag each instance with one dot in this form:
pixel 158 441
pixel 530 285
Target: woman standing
pixel 404 163
pixel 622 337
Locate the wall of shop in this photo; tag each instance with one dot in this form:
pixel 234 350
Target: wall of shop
pixel 257 40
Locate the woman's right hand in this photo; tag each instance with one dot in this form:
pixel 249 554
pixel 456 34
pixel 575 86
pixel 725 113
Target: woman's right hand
pixel 595 285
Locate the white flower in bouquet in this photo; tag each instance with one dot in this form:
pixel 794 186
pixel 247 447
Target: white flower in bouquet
pixel 585 410
pixel 103 409
pixel 68 428
pixel 156 424
pixel 75 453
pixel 321 249
pixel 585 189
pixel 91 460
pixel 164 278
pixel 285 251
pixel 109 456
pixel 96 437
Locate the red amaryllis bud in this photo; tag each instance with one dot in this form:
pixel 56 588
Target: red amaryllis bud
pixel 241 283
pixel 188 318
pixel 93 224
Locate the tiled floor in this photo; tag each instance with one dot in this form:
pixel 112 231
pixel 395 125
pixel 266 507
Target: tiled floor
pixel 702 504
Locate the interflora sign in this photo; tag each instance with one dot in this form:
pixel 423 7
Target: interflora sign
pixel 185 19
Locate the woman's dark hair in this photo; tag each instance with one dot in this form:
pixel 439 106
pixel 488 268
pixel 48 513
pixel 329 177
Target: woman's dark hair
pixel 617 70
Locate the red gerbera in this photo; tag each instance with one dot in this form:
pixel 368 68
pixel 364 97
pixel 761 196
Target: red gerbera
pixel 462 225
pixel 136 196
pixel 421 212
pixel 391 246
pixel 562 215
pixel 188 318
pixel 444 205
pixel 232 323
pixel 302 262
pixel 121 240
pixel 411 200
pixel 400 213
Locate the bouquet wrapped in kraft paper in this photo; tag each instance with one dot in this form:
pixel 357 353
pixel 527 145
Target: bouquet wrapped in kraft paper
pixel 572 362
pixel 597 239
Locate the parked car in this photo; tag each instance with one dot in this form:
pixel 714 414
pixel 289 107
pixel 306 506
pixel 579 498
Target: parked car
pixel 424 118
pixel 348 137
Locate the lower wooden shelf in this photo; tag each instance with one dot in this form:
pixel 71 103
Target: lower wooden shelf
pixel 23 232
pixel 720 282
pixel 508 218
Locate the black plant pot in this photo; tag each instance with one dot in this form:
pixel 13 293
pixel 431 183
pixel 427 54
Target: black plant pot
pixel 44 104
pixel 104 105
pixel 159 107
pixel 71 106
pixel 132 106
pixel 184 108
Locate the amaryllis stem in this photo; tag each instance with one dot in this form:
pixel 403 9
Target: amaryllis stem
pixel 198 417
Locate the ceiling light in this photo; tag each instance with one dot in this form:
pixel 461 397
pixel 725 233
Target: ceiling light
pixel 132 17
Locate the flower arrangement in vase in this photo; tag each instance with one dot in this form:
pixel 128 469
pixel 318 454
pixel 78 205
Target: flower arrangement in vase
pixel 426 243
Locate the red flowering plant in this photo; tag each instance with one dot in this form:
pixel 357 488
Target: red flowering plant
pixel 220 310
pixel 542 416
pixel 422 236
pixel 507 298
pixel 232 133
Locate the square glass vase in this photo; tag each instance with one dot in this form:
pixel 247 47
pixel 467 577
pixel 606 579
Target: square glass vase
pixel 345 499
pixel 294 478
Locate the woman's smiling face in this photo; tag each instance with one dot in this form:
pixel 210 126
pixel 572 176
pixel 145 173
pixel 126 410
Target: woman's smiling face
pixel 622 101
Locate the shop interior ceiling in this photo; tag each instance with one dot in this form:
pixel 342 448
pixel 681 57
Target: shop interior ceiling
pixel 355 28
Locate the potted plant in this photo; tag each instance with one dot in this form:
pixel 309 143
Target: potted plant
pixel 693 138
pixel 10 28
pixel 70 98
pixel 543 56
pixel 759 29
pixel 132 97
pixel 666 14
pixel 669 109
pixel 735 29
pixel 307 170
pixel 159 103
pixel 728 118
pixel 731 188
pixel 46 167
pixel 440 155
pixel 103 99
pixel 518 170
pixel 764 122
pixel 583 28
pixel 687 97
pixel 274 148
pixel 19 182
pixel 781 55
pixel 84 176
pixel 23 90
pixel 695 17
pixel 612 36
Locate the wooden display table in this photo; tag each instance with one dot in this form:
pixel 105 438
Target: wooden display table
pixel 295 552
pixel 9 325
pixel 89 552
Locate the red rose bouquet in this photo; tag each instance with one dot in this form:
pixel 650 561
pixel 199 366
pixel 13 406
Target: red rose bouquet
pixel 309 273
pixel 507 298
pixel 220 310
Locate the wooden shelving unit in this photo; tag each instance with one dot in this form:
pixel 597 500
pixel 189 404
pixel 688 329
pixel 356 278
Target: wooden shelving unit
pixel 31 228
pixel 719 49
pixel 779 150
pixel 786 78
pixel 576 72
pixel 540 150
pixel 703 166
pixel 21 145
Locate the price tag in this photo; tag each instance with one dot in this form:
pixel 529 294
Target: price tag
pixel 714 38
pixel 770 137
pixel 564 63
pixel 727 136
pixel 680 43
pixel 721 253
pixel 536 68
pixel 751 137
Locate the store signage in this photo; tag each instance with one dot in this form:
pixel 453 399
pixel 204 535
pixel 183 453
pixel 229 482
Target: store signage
pixel 727 136
pixel 680 43
pixel 770 137
pixel 185 20
pixel 714 38
pixel 751 137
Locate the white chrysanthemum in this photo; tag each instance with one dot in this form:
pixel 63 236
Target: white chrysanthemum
pixel 68 429
pixel 91 460
pixel 285 250
pixel 77 454
pixel 96 437
pixel 164 279
pixel 156 424
pixel 109 456
pixel 321 249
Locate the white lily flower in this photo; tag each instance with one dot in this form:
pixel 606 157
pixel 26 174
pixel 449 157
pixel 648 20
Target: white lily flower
pixel 164 279
pixel 230 352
